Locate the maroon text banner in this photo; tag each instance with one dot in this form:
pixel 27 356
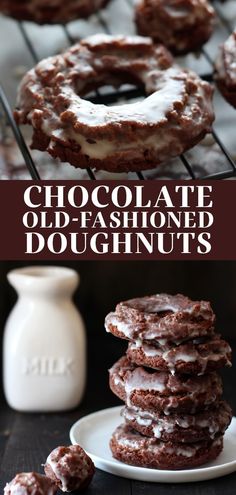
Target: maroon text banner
pixel 120 221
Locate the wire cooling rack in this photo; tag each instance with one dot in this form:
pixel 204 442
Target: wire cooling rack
pixel 229 169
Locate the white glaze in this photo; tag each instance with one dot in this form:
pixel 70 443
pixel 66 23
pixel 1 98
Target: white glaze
pixel 121 326
pixel 230 53
pixel 161 423
pixel 148 111
pixel 15 486
pixel 102 38
pixel 182 353
pixel 136 442
pixel 139 379
pixel 72 118
pixel 151 328
pixel 225 63
pixel 57 471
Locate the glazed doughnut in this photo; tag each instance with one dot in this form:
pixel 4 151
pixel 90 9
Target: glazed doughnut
pixel 161 391
pixel 161 318
pixel 176 114
pixel 132 448
pixel 70 468
pixel 30 484
pixel 188 358
pixel 225 73
pixel 180 428
pixel 50 11
pixel 181 25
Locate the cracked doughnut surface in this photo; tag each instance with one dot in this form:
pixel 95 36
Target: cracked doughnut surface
pixel 161 318
pixel 188 358
pixel 50 11
pixel 181 25
pixel 175 115
pixel 70 468
pixel 30 484
pixel 132 448
pixel 225 70
pixel 161 391
pixel 181 428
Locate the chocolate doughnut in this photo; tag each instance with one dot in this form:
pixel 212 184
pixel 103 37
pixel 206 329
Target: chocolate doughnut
pixel 161 391
pixel 161 318
pixel 30 484
pixel 50 11
pixel 225 70
pixel 132 448
pixel 190 358
pixel 70 468
pixel 176 114
pixel 180 428
pixel 181 25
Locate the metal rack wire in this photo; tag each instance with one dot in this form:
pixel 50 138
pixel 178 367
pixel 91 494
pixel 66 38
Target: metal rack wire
pixel 230 171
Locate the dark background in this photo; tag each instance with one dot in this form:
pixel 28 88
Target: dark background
pixel 103 284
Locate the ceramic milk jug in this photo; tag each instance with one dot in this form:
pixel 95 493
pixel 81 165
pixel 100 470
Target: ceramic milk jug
pixel 44 349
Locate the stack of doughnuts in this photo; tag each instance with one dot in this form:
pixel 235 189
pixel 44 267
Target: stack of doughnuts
pixel 50 11
pixel 181 25
pixel 174 415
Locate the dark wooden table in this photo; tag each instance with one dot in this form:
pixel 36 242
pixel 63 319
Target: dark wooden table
pixel 26 440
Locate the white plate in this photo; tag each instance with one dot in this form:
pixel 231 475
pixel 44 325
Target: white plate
pixel 93 433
